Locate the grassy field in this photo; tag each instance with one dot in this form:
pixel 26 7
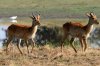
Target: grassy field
pixel 49 8
pixel 54 12
pixel 49 56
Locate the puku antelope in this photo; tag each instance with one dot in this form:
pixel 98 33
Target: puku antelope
pixel 77 30
pixel 23 32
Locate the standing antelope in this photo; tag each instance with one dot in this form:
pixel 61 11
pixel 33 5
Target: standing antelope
pixel 23 32
pixel 77 30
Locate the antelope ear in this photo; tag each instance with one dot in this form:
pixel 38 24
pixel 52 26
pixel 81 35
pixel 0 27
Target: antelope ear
pixel 88 14
pixel 31 17
pixel 92 14
pixel 38 17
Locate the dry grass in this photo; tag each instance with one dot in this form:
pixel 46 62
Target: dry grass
pixel 48 56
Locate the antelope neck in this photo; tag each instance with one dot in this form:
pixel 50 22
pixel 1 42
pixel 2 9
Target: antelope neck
pixel 34 28
pixel 88 27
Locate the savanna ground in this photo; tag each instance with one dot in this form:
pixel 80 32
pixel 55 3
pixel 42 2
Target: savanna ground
pixel 49 56
pixel 53 13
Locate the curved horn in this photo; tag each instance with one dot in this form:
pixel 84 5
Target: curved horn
pixel 38 16
pixel 33 15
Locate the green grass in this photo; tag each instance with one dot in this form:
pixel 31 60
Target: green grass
pixel 49 8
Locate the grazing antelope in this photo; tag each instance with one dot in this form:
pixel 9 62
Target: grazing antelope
pixel 77 30
pixel 23 32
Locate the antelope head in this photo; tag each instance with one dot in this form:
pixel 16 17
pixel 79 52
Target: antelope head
pixel 35 19
pixel 92 18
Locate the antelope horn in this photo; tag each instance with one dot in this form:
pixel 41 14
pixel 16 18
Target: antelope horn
pixel 33 15
pixel 38 16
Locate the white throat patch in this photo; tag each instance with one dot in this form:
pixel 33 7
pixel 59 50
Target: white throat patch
pixel 91 29
pixel 35 30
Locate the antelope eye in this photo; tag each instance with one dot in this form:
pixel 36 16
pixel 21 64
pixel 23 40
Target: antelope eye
pixel 93 18
pixel 35 20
